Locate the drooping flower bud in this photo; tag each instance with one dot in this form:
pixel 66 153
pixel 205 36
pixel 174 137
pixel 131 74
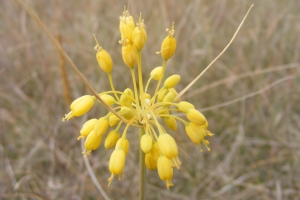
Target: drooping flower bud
pixel 156 73
pixel 123 144
pixel 172 81
pixel 92 142
pixel 152 157
pixel 113 120
pixel 87 127
pixel 168 45
pixel 111 139
pixel 116 164
pixel 146 143
pixel 129 55
pixel 195 136
pixel 139 35
pixel 127 113
pixel 80 106
pixel 171 123
pixel 165 170
pixel 175 93
pixel 196 117
pixel 167 145
pixel 184 106
pixel 101 126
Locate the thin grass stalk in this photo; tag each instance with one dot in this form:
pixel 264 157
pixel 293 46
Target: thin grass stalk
pixel 142 169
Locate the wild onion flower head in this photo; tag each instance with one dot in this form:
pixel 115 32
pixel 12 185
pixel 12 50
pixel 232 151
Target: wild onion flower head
pixel 155 114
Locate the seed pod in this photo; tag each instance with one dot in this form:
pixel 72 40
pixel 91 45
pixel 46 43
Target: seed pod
pixel 172 81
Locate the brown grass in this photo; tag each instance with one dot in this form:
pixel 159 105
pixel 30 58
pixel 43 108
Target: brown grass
pixel 250 97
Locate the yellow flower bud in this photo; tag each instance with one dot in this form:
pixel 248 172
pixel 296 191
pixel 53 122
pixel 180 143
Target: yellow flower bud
pixel 101 126
pixel 196 137
pixel 152 157
pixel 146 143
pixel 80 106
pixel 156 73
pixel 161 94
pixel 139 35
pixel 169 98
pixel 171 123
pixel 111 139
pixel 127 113
pixel 126 98
pixel 123 144
pixel 116 163
pixel 172 81
pixel 200 129
pixel 175 93
pixel 108 99
pixel 87 127
pixel 165 170
pixel 196 117
pixel 168 45
pixel 113 120
pixel 184 106
pixel 104 60
pixel 167 146
pixel 92 142
pixel 129 55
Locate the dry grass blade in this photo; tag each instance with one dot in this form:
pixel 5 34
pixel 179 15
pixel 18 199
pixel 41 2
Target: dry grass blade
pixel 197 78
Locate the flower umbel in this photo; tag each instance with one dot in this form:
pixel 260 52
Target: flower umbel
pixel 137 108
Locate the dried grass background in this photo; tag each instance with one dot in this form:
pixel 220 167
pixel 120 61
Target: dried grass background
pixel 250 97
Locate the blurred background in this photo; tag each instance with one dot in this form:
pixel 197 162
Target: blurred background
pixel 250 97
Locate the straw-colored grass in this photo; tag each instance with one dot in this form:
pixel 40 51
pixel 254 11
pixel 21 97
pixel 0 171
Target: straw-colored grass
pixel 250 97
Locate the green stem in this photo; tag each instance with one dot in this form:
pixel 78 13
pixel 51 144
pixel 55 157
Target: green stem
pixel 142 169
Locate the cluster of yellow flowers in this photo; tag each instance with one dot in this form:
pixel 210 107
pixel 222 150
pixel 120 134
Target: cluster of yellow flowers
pixel 140 109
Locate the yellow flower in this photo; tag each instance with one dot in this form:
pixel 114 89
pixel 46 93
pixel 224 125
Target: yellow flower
pixel 152 157
pixel 168 45
pixel 196 117
pixel 111 139
pixel 116 164
pixel 80 106
pixel 101 126
pixel 165 170
pixel 172 81
pixel 104 60
pixel 123 143
pixel 171 123
pixel 156 73
pixel 168 148
pixel 146 143
pixel 139 35
pixel 92 142
pixel 87 127
pixel 129 55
